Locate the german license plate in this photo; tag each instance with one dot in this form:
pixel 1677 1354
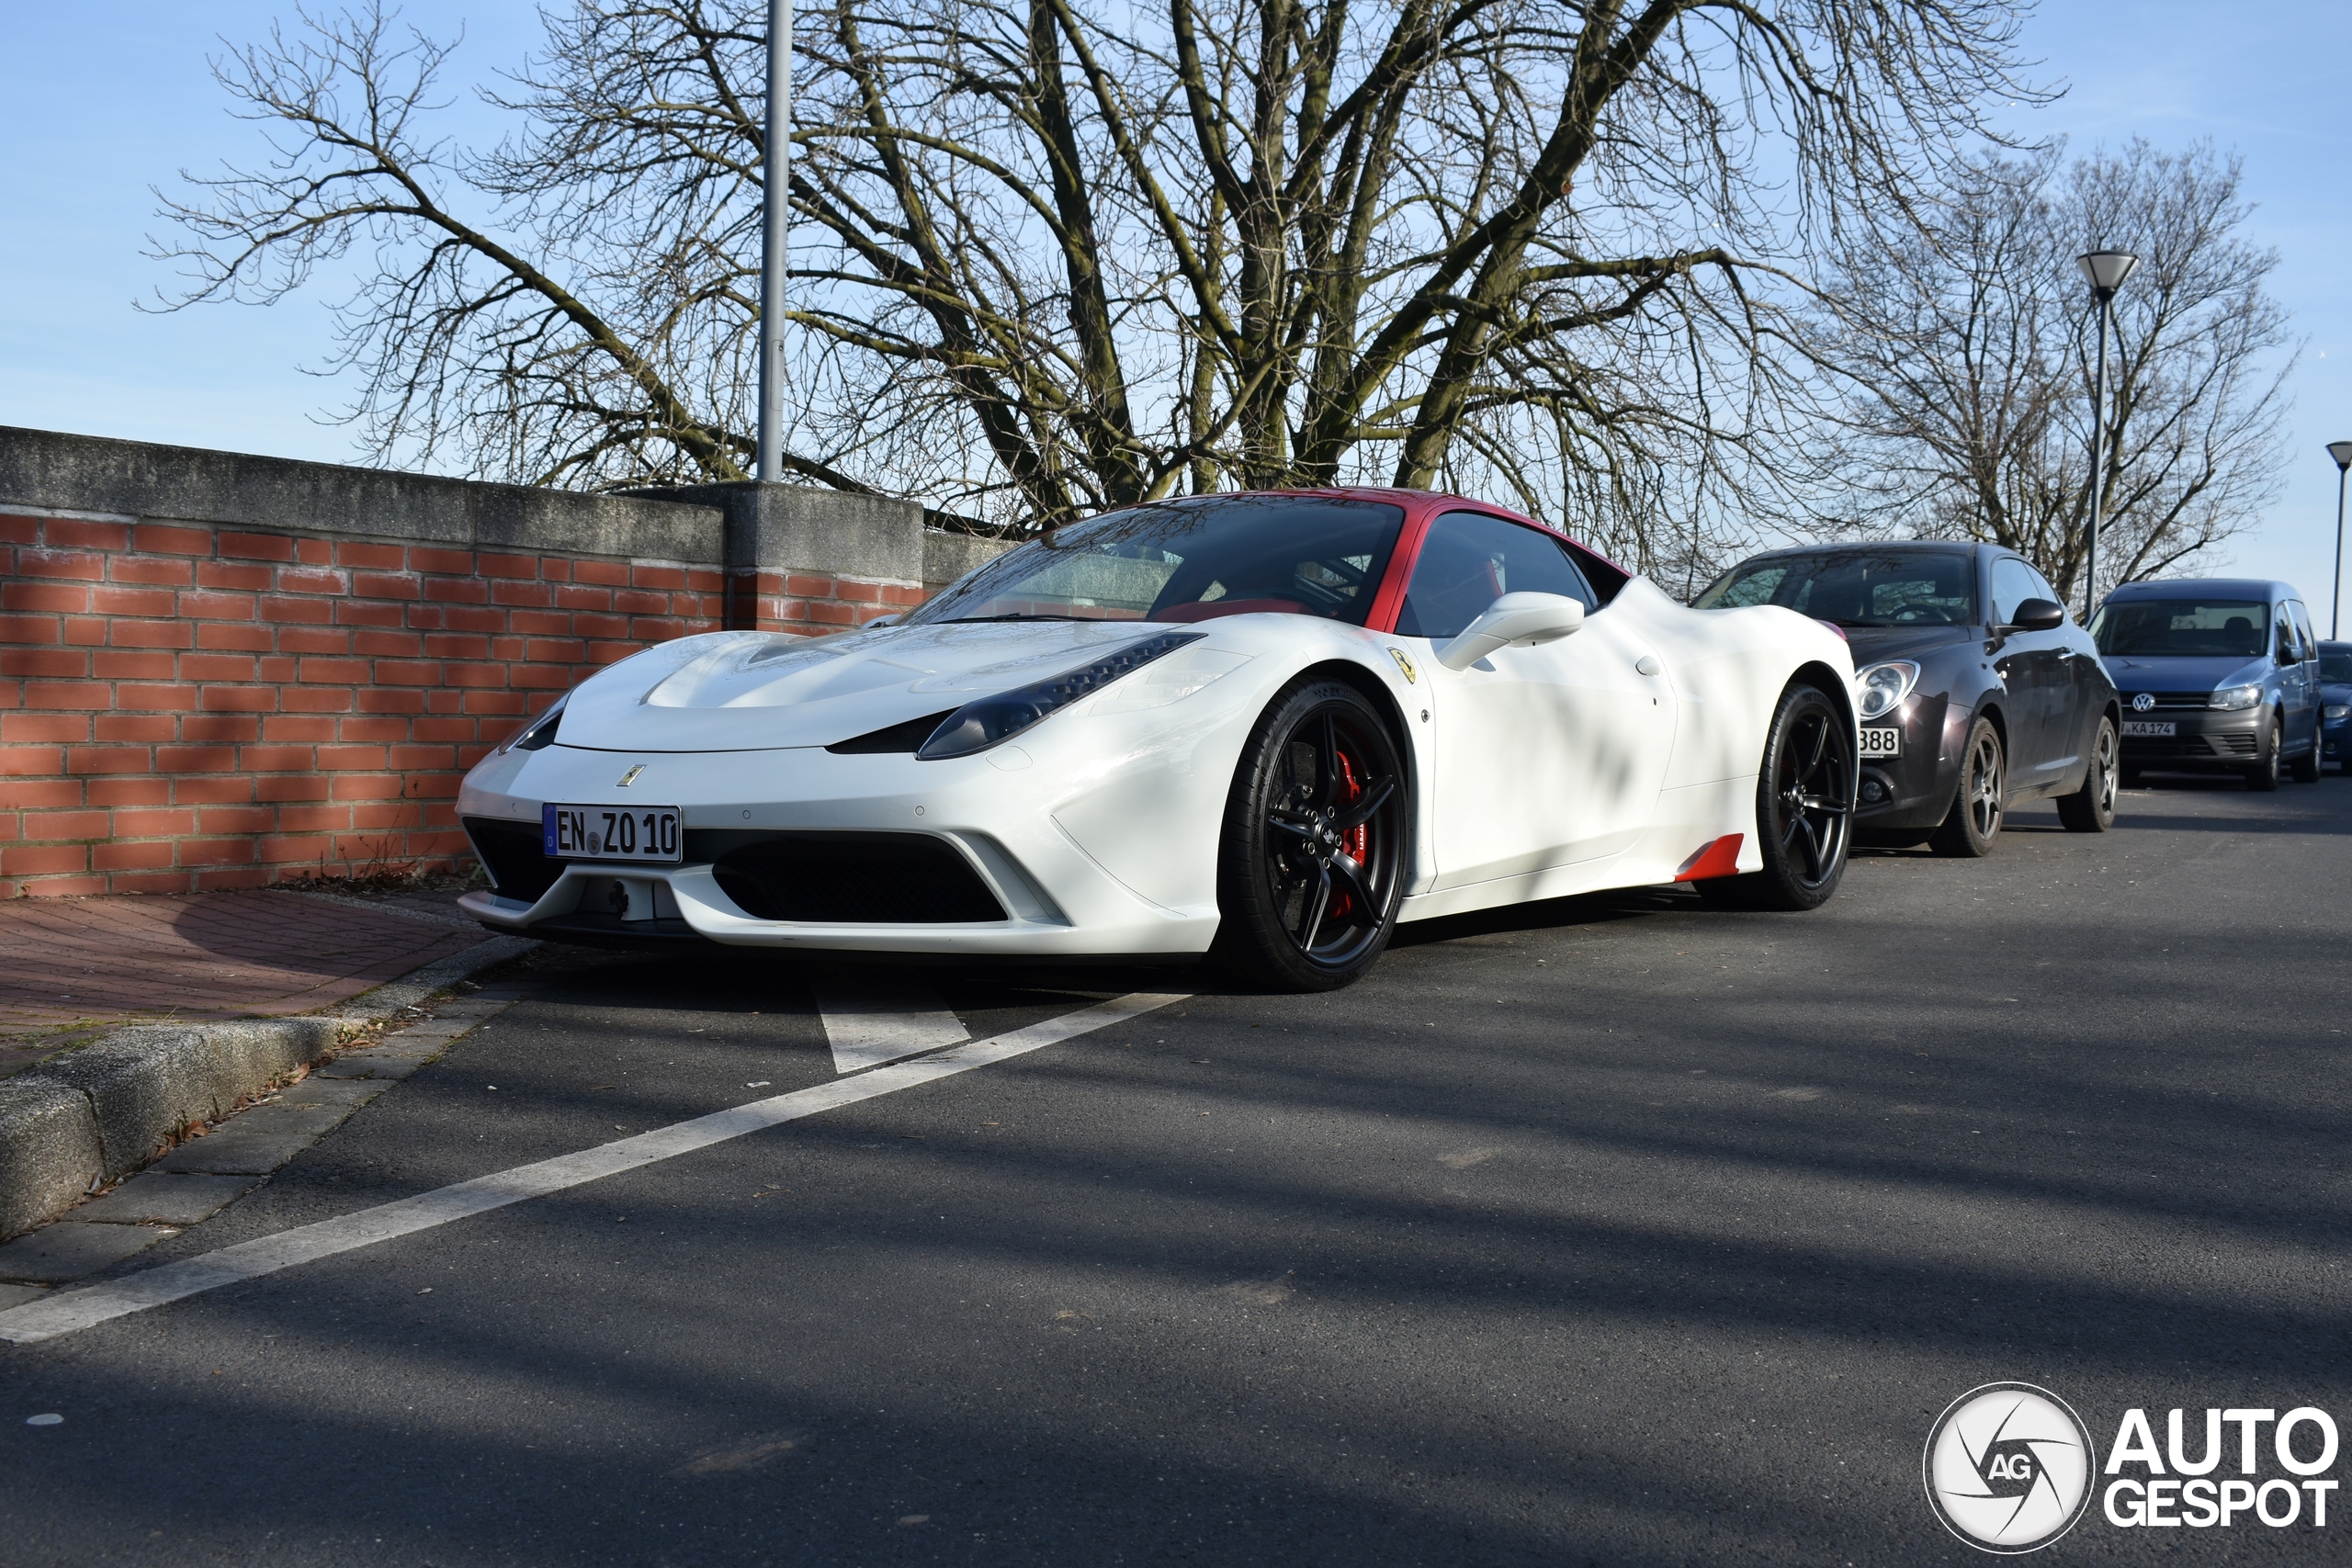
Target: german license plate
pixel 1881 740
pixel 608 832
pixel 2155 728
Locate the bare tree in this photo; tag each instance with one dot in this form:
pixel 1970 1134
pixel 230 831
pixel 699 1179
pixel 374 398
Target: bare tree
pixel 1970 339
pixel 1058 255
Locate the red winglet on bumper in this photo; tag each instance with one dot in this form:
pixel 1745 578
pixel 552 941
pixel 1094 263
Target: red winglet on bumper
pixel 1720 858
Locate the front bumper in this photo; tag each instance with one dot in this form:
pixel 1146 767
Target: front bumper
pixel 1915 789
pixel 802 848
pixel 2202 739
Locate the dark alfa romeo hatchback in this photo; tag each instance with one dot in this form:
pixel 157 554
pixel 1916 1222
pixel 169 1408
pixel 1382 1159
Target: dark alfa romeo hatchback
pixel 1974 689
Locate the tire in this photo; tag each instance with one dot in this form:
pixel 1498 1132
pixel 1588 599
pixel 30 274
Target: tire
pixel 2309 766
pixel 2091 809
pixel 1981 801
pixel 1804 808
pixel 2263 777
pixel 1312 861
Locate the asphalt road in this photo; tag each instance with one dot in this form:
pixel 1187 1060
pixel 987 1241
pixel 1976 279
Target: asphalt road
pixel 1618 1230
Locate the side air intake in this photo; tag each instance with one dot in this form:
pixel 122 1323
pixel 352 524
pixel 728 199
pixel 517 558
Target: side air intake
pixel 855 879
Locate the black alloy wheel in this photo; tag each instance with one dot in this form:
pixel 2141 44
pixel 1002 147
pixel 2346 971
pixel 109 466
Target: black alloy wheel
pixel 1804 805
pixel 2264 776
pixel 2309 766
pixel 1982 799
pixel 1312 866
pixel 2091 809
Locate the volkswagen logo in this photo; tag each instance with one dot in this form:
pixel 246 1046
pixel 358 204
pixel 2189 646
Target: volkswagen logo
pixel 2009 1468
pixel 2143 702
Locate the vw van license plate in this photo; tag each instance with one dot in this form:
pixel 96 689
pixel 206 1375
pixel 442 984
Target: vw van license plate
pixel 1881 740
pixel 2155 728
pixel 605 832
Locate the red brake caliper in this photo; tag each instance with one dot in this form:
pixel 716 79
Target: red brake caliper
pixel 1356 840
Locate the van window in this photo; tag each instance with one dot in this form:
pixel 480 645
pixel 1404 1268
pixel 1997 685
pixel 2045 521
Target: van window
pixel 2303 633
pixel 2237 628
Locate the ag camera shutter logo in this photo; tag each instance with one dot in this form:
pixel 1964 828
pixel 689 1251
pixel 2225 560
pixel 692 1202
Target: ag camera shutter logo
pixel 2009 1468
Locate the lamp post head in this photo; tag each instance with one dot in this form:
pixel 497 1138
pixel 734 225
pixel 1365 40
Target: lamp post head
pixel 2107 270
pixel 2342 452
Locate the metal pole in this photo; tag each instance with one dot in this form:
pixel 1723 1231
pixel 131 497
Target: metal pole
pixel 2099 466
pixel 2335 611
pixel 776 219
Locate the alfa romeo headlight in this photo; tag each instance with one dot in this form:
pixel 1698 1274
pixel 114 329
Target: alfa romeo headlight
pixel 1878 687
pixel 2237 697
pixel 977 725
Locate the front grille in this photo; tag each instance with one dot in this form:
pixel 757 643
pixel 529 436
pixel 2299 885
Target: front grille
pixel 2173 701
pixel 2167 746
pixel 2191 745
pixel 854 879
pixel 515 853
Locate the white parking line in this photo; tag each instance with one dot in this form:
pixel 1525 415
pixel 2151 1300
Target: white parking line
pixel 870 1021
pixel 69 1312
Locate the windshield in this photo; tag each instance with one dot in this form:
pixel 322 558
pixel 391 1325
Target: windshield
pixel 2187 628
pixel 2335 665
pixel 1190 560
pixel 1856 587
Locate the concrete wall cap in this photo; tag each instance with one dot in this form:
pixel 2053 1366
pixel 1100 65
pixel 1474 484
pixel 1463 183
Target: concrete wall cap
pixel 947 557
pixel 802 528
pixel 53 471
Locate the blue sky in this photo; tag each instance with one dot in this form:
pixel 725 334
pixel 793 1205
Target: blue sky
pixel 91 118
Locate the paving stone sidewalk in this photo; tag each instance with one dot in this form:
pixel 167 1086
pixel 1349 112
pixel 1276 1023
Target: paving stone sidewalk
pixel 73 968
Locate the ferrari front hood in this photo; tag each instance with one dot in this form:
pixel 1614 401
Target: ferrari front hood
pixel 761 691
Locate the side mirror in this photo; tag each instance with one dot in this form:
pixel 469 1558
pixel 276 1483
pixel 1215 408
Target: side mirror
pixel 2036 616
pixel 1521 619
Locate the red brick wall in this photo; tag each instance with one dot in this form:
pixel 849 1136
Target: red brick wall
pixel 186 707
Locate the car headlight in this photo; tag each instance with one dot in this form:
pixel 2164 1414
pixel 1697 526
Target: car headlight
pixel 539 734
pixel 1878 687
pixel 2237 697
pixel 2334 711
pixel 977 725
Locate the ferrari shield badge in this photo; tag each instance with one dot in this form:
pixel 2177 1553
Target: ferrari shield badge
pixel 1405 664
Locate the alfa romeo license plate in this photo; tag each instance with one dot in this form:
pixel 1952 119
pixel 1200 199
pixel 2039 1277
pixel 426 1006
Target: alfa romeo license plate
pixel 608 832
pixel 1881 740
pixel 2151 728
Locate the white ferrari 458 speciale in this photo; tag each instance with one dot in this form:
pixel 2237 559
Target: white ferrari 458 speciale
pixel 1266 728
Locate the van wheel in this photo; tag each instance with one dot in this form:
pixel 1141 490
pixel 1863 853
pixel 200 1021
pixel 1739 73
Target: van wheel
pixel 2263 777
pixel 2309 766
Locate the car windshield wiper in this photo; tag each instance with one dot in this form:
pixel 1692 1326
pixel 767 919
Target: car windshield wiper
pixel 1015 615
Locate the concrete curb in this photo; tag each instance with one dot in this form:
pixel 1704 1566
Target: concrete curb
pixel 108 1109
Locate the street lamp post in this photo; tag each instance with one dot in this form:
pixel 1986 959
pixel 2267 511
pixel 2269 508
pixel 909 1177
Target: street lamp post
pixel 776 215
pixel 2342 452
pixel 2105 270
